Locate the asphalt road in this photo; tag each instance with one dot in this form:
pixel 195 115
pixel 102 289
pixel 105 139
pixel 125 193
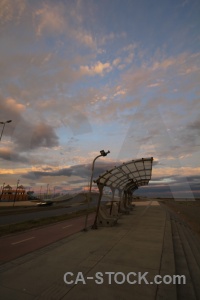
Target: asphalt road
pixel 18 218
pixel 17 245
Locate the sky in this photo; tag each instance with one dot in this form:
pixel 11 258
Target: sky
pixel 85 75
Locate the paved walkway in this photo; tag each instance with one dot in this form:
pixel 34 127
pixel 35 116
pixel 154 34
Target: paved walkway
pixel 141 242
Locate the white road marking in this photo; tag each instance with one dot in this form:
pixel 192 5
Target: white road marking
pixel 23 240
pixel 67 226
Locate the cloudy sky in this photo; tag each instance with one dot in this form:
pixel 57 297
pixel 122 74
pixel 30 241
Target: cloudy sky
pixel 79 76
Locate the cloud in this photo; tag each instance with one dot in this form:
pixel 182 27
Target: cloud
pixel 80 171
pixel 189 137
pixel 110 37
pixel 128 60
pixel 66 20
pixel 110 103
pixel 39 174
pixel 116 61
pixel 44 136
pixel 174 186
pixel 10 109
pixel 83 37
pixel 98 69
pixel 11 10
pixel 163 73
pixel 35 136
pixel 195 125
pixel 26 135
pixel 32 77
pixel 10 155
pixel 149 134
pixel 50 59
pixel 165 182
pixel 129 48
pixel 50 19
pixel 164 64
pixel 119 92
pixel 153 85
pixel 77 122
pixel 12 105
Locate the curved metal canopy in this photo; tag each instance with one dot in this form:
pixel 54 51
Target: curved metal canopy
pixel 128 176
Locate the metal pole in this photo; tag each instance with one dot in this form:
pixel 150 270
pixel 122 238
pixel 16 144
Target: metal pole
pixel 94 226
pixel 40 192
pixel 16 192
pixel 2 190
pixel 103 153
pixel 2 130
pixel 4 124
pixel 89 195
pixel 47 189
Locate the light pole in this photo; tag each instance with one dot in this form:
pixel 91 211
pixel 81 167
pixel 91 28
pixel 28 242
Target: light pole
pixel 16 192
pixel 47 189
pixel 2 190
pixel 103 153
pixel 41 192
pixel 4 124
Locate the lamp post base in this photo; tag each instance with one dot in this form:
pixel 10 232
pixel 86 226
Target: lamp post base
pixel 94 226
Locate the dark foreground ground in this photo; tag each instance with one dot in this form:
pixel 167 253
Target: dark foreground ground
pixel 189 211
pixel 151 240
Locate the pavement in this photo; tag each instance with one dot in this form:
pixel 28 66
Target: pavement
pixel 142 243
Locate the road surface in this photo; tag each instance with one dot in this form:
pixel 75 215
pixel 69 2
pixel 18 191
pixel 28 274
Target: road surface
pixel 18 218
pixel 16 245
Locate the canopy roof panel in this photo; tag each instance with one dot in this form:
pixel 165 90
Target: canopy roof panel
pixel 128 176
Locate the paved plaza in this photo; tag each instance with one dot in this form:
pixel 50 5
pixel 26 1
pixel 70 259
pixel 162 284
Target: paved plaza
pixel 147 240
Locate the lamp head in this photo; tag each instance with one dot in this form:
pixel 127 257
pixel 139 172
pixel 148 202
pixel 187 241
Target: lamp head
pixel 103 153
pixel 6 122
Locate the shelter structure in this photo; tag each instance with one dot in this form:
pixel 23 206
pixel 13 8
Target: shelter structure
pixel 125 178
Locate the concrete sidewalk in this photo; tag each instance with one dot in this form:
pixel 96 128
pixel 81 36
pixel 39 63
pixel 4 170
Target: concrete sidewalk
pixel 141 242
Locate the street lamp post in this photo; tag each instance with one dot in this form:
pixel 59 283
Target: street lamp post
pixel 103 153
pixel 16 192
pixel 47 189
pixel 4 124
pixel 41 192
pixel 2 190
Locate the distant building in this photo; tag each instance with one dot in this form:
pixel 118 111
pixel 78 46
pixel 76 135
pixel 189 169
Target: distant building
pixel 10 194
